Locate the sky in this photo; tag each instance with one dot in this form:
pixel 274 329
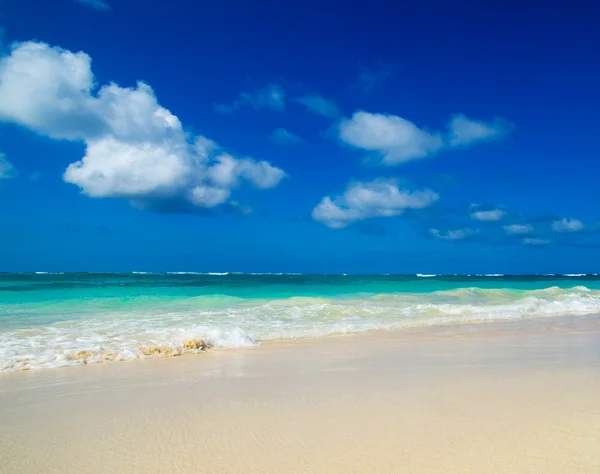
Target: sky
pixel 314 137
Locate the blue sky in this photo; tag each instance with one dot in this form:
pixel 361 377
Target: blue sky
pixel 319 137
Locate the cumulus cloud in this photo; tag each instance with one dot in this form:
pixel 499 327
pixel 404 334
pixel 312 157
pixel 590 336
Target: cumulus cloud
pixel 96 4
pixel 270 97
pixel 397 140
pixel 567 225
pixel 319 105
pixel 165 170
pixel 464 131
pixel 48 90
pixel 489 215
pixel 281 136
pixel 452 234
pixel 7 170
pixel 365 200
pixel 516 229
pixel 135 148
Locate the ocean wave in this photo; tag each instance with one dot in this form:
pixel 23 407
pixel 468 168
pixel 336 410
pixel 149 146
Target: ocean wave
pixel 54 347
pixel 144 328
pixel 199 273
pixel 185 273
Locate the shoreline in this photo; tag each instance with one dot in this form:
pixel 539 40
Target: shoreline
pixel 469 328
pixel 507 398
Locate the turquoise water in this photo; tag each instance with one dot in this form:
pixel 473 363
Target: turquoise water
pixel 53 320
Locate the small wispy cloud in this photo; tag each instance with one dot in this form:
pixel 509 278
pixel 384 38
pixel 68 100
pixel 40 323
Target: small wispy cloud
pixel 535 241
pixel 319 105
pixel 518 229
pixel 464 131
pixel 488 215
pixel 372 77
pixel 270 97
pixel 281 136
pixel 452 234
pixel 567 225
pixel 7 169
pixel 498 225
pixel 95 4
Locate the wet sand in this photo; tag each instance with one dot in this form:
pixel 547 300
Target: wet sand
pixel 515 397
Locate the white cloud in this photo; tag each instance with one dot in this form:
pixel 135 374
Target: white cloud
pixel 535 241
pixel 515 229
pixel 113 168
pixel 395 138
pixel 398 140
pixel 365 200
pixel 261 174
pixel 96 4
pixel 167 170
pixel 464 131
pixel 281 136
pixel 135 148
pixel 48 90
pixel 270 97
pixel 135 114
pixel 455 234
pixel 208 196
pixel 492 215
pixel 7 170
pixel 567 225
pixel 227 171
pixel 319 105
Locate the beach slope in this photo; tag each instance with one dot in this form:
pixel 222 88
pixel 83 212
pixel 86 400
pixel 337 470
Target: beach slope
pixel 501 399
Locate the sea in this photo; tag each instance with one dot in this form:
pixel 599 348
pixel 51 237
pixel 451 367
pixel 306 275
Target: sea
pixel 50 320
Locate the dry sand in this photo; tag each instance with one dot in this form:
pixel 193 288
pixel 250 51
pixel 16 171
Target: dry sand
pixel 509 398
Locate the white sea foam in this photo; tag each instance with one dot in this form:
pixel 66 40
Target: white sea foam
pixel 200 273
pixel 260 273
pixel 426 275
pixel 152 330
pixel 185 273
pixel 230 273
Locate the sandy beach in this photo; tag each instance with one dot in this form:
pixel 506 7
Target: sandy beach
pixel 502 398
pixel 274 238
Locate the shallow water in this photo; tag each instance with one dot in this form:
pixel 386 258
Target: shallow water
pixel 54 320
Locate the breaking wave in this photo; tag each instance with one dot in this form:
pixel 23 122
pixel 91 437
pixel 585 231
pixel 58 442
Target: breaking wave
pixel 136 330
